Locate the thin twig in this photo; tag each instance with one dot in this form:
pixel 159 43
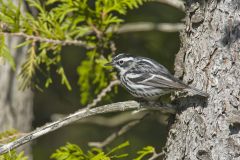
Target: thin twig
pixel 47 40
pixel 82 113
pixel 117 134
pixel 103 93
pixel 149 26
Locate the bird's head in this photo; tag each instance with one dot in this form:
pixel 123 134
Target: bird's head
pixel 122 62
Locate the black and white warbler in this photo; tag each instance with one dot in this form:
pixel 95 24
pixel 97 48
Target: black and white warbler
pixel 146 78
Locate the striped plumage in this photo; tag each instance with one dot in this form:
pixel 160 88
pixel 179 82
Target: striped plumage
pixel 145 78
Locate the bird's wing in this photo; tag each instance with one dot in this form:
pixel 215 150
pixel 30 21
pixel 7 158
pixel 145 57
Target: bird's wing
pixel 153 74
pixel 164 81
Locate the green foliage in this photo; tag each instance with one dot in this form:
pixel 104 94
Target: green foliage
pixel 28 68
pixel 146 151
pixel 62 22
pixel 10 15
pixel 9 136
pixel 92 73
pixel 74 152
pixel 4 52
pixel 7 133
pixel 13 155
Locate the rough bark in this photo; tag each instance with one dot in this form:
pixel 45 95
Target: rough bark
pixel 15 105
pixel 209 60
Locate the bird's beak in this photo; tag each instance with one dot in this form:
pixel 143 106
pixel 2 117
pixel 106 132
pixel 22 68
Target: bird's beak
pixel 108 64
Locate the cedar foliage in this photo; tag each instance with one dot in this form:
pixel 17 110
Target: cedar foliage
pixel 85 23
pixel 88 24
pixel 74 152
pixel 9 136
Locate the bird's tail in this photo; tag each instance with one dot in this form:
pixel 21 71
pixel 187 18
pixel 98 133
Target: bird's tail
pixel 196 91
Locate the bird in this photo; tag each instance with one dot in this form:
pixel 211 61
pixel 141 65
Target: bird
pixel 147 79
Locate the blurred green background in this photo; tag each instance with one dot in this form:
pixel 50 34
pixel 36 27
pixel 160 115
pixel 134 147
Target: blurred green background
pixel 57 99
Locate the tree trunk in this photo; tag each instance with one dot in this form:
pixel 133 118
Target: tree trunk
pixel 15 105
pixel 209 59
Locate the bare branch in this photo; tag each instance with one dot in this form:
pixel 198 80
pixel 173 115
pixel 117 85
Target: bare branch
pixel 179 4
pixel 117 134
pixel 112 121
pixel 47 40
pixel 82 113
pixel 149 26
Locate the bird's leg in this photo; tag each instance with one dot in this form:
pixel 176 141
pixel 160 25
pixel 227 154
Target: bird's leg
pixel 142 103
pixel 149 103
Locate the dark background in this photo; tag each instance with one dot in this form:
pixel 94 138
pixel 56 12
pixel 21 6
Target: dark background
pixel 57 99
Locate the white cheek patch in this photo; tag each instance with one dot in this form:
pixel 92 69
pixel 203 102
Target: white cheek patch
pixel 121 70
pixel 124 67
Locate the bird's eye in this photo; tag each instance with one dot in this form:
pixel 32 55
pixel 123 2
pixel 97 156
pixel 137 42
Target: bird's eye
pixel 120 62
